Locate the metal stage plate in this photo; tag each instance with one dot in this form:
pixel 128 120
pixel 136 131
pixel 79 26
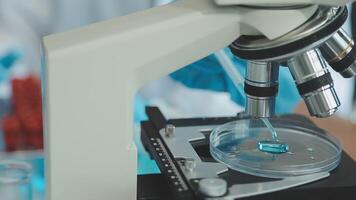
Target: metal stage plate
pixel 176 182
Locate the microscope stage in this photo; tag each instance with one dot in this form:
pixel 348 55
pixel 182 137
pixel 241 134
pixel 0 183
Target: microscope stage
pixel 180 177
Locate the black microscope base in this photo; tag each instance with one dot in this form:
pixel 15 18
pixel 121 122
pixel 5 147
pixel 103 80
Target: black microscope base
pixel 340 185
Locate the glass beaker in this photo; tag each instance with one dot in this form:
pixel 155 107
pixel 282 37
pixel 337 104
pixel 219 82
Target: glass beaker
pixel 15 180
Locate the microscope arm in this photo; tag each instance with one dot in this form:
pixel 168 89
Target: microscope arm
pixel 91 76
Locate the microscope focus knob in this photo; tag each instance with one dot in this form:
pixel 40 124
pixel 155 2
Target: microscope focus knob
pixel 213 187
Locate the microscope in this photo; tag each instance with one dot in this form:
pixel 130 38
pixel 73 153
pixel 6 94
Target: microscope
pixel 91 76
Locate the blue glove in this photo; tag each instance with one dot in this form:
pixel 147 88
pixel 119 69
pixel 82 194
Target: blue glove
pixel 208 74
pixel 6 62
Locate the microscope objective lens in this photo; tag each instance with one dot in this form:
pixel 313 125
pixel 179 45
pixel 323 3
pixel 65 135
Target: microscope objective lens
pixel 272 146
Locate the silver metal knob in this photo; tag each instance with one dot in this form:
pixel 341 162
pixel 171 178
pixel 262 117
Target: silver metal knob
pixel 190 165
pixel 170 130
pixel 213 187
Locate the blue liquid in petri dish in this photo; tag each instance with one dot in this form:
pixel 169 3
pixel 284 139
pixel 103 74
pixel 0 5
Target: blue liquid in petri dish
pixel 272 146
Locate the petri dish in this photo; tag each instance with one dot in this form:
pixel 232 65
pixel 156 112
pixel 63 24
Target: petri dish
pixel 311 150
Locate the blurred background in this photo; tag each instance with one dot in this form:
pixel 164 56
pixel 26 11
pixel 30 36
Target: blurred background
pixel 22 25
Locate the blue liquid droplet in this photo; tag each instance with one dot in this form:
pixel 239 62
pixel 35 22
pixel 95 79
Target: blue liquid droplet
pixel 273 147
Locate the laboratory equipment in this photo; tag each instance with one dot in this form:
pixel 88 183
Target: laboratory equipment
pixel 22 124
pixel 303 151
pixel 15 180
pixel 305 51
pixel 30 160
pixel 92 74
pixel 185 160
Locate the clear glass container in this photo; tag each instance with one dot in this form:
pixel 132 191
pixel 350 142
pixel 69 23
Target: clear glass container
pixel 311 150
pixel 15 180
